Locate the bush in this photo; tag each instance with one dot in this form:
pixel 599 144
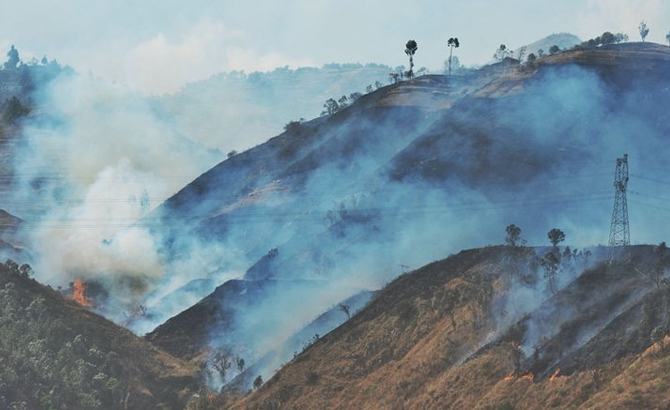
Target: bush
pixel 505 405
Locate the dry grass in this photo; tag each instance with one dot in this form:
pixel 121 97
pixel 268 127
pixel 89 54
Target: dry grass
pixel 431 341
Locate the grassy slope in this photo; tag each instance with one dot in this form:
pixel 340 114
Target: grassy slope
pixel 438 338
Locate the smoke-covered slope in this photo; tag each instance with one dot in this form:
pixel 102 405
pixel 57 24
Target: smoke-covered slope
pixel 57 354
pixel 483 330
pixel 235 111
pixel 411 172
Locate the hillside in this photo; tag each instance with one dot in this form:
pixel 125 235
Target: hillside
pixel 341 201
pixel 481 330
pixel 236 111
pixel 264 256
pixel 55 353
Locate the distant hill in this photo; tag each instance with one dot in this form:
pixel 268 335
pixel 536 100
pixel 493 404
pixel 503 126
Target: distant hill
pixel 236 111
pixel 564 41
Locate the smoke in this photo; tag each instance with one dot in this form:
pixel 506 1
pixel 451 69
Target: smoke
pixel 235 111
pixel 341 205
pixel 391 195
pixel 94 160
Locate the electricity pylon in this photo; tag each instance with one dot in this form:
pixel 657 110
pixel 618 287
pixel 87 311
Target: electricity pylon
pixel 619 229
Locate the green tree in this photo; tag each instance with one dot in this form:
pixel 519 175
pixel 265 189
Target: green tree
pixel 501 53
pixel 13 59
pixel 521 54
pixel 410 50
pixel 331 107
pixel 607 38
pixel 292 126
pixel 554 49
pixel 452 43
pixel 343 102
pixel 620 38
pixel 513 237
pixel 345 309
pixel 258 382
pixel 221 363
pixel 643 29
pixel 551 263
pixel 531 58
pixel 555 236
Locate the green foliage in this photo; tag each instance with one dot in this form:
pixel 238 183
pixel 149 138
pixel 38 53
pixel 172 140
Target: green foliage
pixel 43 365
pixel 312 377
pixel 355 96
pixel 604 39
pixel 556 236
pixel 505 405
pixel 294 126
pixel 452 43
pixel 13 59
pixel 330 107
pixel 513 237
pixel 643 29
pixel 554 49
pixel 551 263
pixel 345 309
pixel 258 382
pixel 501 53
pixel 531 58
pixel 410 50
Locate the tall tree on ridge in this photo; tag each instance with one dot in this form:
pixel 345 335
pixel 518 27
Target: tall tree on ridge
pixel 410 49
pixel 452 43
pixel 644 30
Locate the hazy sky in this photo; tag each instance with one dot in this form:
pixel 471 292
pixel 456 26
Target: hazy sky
pixel 158 45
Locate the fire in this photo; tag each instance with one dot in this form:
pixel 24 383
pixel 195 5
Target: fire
pixel 555 375
pixel 528 376
pixel 78 293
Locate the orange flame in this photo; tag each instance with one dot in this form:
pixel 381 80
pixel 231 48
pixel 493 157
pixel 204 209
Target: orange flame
pixel 555 375
pixel 78 294
pixel 528 376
